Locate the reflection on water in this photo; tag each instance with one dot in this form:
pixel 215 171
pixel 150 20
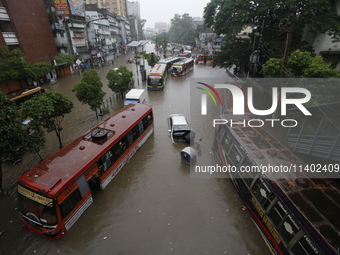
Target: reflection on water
pixel 153 206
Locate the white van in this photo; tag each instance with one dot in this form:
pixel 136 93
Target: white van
pixel 135 96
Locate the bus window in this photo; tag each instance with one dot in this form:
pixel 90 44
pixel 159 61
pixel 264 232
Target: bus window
pixel 247 176
pixel 261 192
pixel 227 143
pixel 140 127
pixel 147 120
pixel 305 246
pixel 119 148
pixel 105 161
pixel 129 138
pixel 286 225
pixel 70 202
pixel 235 156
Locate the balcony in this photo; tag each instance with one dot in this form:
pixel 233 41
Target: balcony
pixel 77 42
pixel 10 38
pixel 3 14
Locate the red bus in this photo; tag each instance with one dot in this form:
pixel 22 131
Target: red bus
pixel 183 67
pixel 55 193
pixel 204 59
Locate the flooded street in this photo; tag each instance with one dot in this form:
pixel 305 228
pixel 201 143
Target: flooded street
pixel 154 205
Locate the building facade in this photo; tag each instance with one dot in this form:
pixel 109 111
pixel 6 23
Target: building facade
pixel 26 27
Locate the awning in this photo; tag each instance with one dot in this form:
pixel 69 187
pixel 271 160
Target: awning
pixel 137 43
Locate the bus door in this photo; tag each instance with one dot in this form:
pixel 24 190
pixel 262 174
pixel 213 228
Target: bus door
pixel 74 201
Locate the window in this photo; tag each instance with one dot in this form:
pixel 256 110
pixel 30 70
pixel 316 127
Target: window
pixel 140 127
pixel 285 223
pixel 262 193
pixel 147 120
pixel 235 156
pixel 106 161
pixel 248 177
pixel 305 246
pixel 70 203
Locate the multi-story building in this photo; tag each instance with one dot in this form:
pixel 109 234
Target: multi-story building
pixel 133 9
pixel 117 6
pixel 26 27
pixel 68 25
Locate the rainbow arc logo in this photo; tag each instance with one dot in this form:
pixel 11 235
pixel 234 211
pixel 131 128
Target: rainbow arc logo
pixel 204 97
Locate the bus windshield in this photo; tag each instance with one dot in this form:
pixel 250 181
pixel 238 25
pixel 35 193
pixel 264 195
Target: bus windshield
pixel 155 80
pixel 39 210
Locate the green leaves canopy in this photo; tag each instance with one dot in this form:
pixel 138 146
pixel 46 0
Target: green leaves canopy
pixel 89 89
pixel 270 22
pixel 12 64
pixel 120 80
pixel 182 29
pixel 48 111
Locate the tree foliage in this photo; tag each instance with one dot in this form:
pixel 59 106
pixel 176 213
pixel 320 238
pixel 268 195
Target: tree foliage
pixel 120 80
pixel 151 58
pixel 270 21
pixel 11 132
pixel 182 30
pixel 304 65
pixel 163 40
pixel 48 111
pixel 12 64
pixel 39 69
pixel 89 89
pixel 301 64
pixel 62 58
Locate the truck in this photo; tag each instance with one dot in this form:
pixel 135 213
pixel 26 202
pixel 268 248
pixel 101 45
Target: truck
pixel 135 96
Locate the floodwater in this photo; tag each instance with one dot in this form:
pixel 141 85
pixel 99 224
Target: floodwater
pixel 154 205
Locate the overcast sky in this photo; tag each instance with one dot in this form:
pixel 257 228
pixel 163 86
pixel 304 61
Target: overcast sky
pixel 164 10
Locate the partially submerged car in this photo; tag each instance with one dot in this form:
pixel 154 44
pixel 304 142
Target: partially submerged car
pixel 179 129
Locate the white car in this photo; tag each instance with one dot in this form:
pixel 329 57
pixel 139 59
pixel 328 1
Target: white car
pixel 179 129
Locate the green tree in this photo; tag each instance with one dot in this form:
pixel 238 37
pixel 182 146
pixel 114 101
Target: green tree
pixel 120 80
pixel 62 58
pixel 48 111
pixel 162 40
pixel 11 132
pixel 301 64
pixel 12 64
pixel 151 58
pixel 270 22
pixel 89 90
pixel 182 29
pixel 34 138
pixel 39 69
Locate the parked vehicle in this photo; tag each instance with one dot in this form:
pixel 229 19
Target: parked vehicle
pixel 54 194
pixel 183 67
pixel 135 96
pixel 157 77
pixel 179 129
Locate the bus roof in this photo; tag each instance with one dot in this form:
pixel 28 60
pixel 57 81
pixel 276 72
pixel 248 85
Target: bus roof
pixel 183 61
pixel 317 198
pixel 68 163
pixel 158 69
pixel 169 60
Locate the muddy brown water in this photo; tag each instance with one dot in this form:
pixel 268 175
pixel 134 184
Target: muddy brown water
pixel 154 205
